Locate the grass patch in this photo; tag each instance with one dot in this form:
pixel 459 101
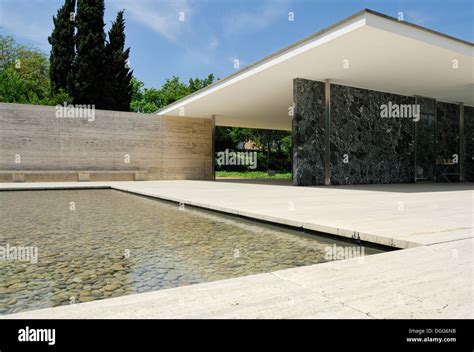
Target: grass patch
pixel 252 174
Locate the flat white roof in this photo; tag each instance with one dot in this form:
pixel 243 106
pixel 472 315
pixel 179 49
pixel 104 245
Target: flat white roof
pixel 367 50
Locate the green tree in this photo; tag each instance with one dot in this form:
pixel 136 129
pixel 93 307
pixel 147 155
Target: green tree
pixel 118 88
pixel 275 146
pixel 149 100
pixel 62 49
pixel 89 63
pixel 224 139
pixel 24 75
pixel 146 100
pixel 196 84
pixel 136 87
pixel 172 90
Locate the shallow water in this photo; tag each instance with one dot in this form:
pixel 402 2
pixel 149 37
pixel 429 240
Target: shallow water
pixel 95 244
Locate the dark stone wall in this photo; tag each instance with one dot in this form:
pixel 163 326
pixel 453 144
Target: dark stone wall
pixel 447 142
pixel 425 140
pixel 368 148
pixel 365 147
pixel 308 132
pixel 469 143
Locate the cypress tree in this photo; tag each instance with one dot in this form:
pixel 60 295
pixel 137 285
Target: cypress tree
pixel 62 49
pixel 118 90
pixel 90 53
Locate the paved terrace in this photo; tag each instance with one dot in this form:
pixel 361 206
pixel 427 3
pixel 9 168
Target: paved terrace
pixel 433 278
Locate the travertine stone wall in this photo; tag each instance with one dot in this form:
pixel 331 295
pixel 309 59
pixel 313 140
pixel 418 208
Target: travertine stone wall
pixel 114 146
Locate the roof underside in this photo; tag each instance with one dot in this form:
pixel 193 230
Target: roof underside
pixel 382 54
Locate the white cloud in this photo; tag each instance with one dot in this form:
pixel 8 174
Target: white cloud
pixel 258 19
pixel 17 18
pixel 416 17
pixel 161 17
pixel 213 43
pixel 32 19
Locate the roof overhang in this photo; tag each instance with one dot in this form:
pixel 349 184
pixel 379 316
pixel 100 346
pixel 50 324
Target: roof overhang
pixel 381 52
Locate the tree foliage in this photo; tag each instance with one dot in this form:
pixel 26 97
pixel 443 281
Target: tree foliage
pixel 196 83
pixel 150 100
pixel 24 75
pixel 62 50
pixel 89 64
pixel 118 88
pixel 273 146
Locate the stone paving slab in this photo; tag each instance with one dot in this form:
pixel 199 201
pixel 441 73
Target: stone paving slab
pixel 424 282
pixel 401 216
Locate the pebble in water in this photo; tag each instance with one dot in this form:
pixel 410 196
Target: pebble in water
pixel 115 244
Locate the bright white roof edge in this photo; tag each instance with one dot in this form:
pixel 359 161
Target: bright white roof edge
pixel 357 20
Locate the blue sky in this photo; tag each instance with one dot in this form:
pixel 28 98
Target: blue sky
pixel 216 32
